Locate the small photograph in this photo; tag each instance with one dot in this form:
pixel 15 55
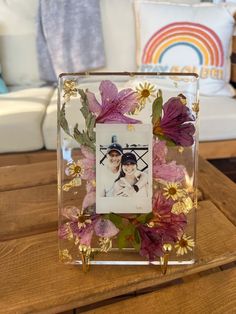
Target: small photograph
pixel 123 168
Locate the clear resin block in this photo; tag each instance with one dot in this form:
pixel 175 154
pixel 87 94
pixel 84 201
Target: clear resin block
pixel 127 166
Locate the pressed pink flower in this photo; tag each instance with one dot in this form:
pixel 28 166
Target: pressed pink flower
pixel 173 123
pixel 70 212
pixel 169 172
pixel 85 228
pixel 159 151
pixel 162 170
pixel 113 105
pixel 85 236
pixel 89 199
pixel 105 228
pixel 65 232
pixel 89 164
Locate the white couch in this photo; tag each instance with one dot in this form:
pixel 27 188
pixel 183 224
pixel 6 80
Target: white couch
pixel 28 112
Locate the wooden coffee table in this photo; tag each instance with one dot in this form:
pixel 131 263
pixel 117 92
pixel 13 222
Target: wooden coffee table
pixel 33 281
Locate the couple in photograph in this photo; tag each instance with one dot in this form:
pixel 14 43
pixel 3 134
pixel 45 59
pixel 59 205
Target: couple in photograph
pixel 120 176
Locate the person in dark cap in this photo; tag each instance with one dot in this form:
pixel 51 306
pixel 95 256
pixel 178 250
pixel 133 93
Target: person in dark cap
pixel 112 169
pixel 131 181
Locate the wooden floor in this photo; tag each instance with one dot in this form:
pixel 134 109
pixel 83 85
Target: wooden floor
pixel 33 281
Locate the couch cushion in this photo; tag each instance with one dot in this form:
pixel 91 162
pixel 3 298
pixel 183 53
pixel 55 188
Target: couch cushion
pixel 21 115
pixel 217 118
pixel 18 42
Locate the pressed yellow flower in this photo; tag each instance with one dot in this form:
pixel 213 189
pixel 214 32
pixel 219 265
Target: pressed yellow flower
pixel 105 244
pixel 69 232
pixel 75 169
pixel 73 183
pixel 83 219
pixel 64 255
pixel 184 244
pixel 70 89
pixel 173 190
pixel 184 206
pixel 130 127
pixel 183 99
pixel 145 91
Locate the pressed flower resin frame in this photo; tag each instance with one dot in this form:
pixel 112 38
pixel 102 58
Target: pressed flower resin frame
pixel 167 104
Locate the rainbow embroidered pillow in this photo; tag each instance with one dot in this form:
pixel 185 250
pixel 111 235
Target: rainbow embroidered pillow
pixel 187 38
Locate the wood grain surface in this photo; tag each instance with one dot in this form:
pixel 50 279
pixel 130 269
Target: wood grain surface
pixel 31 210
pixel 27 158
pixel 218 149
pixel 35 174
pixel 28 211
pixel 43 285
pixel 196 296
pixel 216 187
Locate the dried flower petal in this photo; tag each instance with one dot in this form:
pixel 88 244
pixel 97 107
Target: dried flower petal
pixel 114 104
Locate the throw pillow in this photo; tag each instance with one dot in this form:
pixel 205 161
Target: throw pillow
pixel 187 38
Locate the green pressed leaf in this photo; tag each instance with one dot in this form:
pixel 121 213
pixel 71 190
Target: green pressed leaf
pixel 116 219
pixel 144 218
pixel 83 138
pixel 91 126
pixel 90 121
pixel 78 136
pixel 84 101
pixel 169 142
pixel 157 108
pixel 137 240
pixel 123 238
pixel 62 120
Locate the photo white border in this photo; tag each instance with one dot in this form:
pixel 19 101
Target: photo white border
pixel 116 204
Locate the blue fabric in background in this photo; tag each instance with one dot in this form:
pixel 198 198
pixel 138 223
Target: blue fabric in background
pixel 3 87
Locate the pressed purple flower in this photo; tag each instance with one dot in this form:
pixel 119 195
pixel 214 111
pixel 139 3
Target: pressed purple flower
pixel 151 243
pixel 113 105
pixel 173 123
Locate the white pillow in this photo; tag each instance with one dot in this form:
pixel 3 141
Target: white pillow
pixel 18 42
pixel 187 38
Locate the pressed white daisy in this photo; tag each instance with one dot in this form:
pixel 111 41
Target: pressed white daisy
pixel 83 219
pixel 184 245
pixel 173 190
pixel 145 91
pixel 75 169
